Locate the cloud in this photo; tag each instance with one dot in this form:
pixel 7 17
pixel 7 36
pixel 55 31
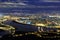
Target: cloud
pixel 22 3
pixel 50 0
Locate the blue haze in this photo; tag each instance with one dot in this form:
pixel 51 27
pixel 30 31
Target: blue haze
pixel 55 4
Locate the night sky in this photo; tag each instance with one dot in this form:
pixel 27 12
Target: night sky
pixel 32 6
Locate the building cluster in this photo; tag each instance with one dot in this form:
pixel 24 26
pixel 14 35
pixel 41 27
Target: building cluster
pixel 34 20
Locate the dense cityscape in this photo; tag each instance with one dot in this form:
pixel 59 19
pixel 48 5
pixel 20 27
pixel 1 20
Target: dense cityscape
pixel 29 19
pixel 41 26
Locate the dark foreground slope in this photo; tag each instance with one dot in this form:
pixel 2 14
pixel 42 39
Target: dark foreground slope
pixel 28 37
